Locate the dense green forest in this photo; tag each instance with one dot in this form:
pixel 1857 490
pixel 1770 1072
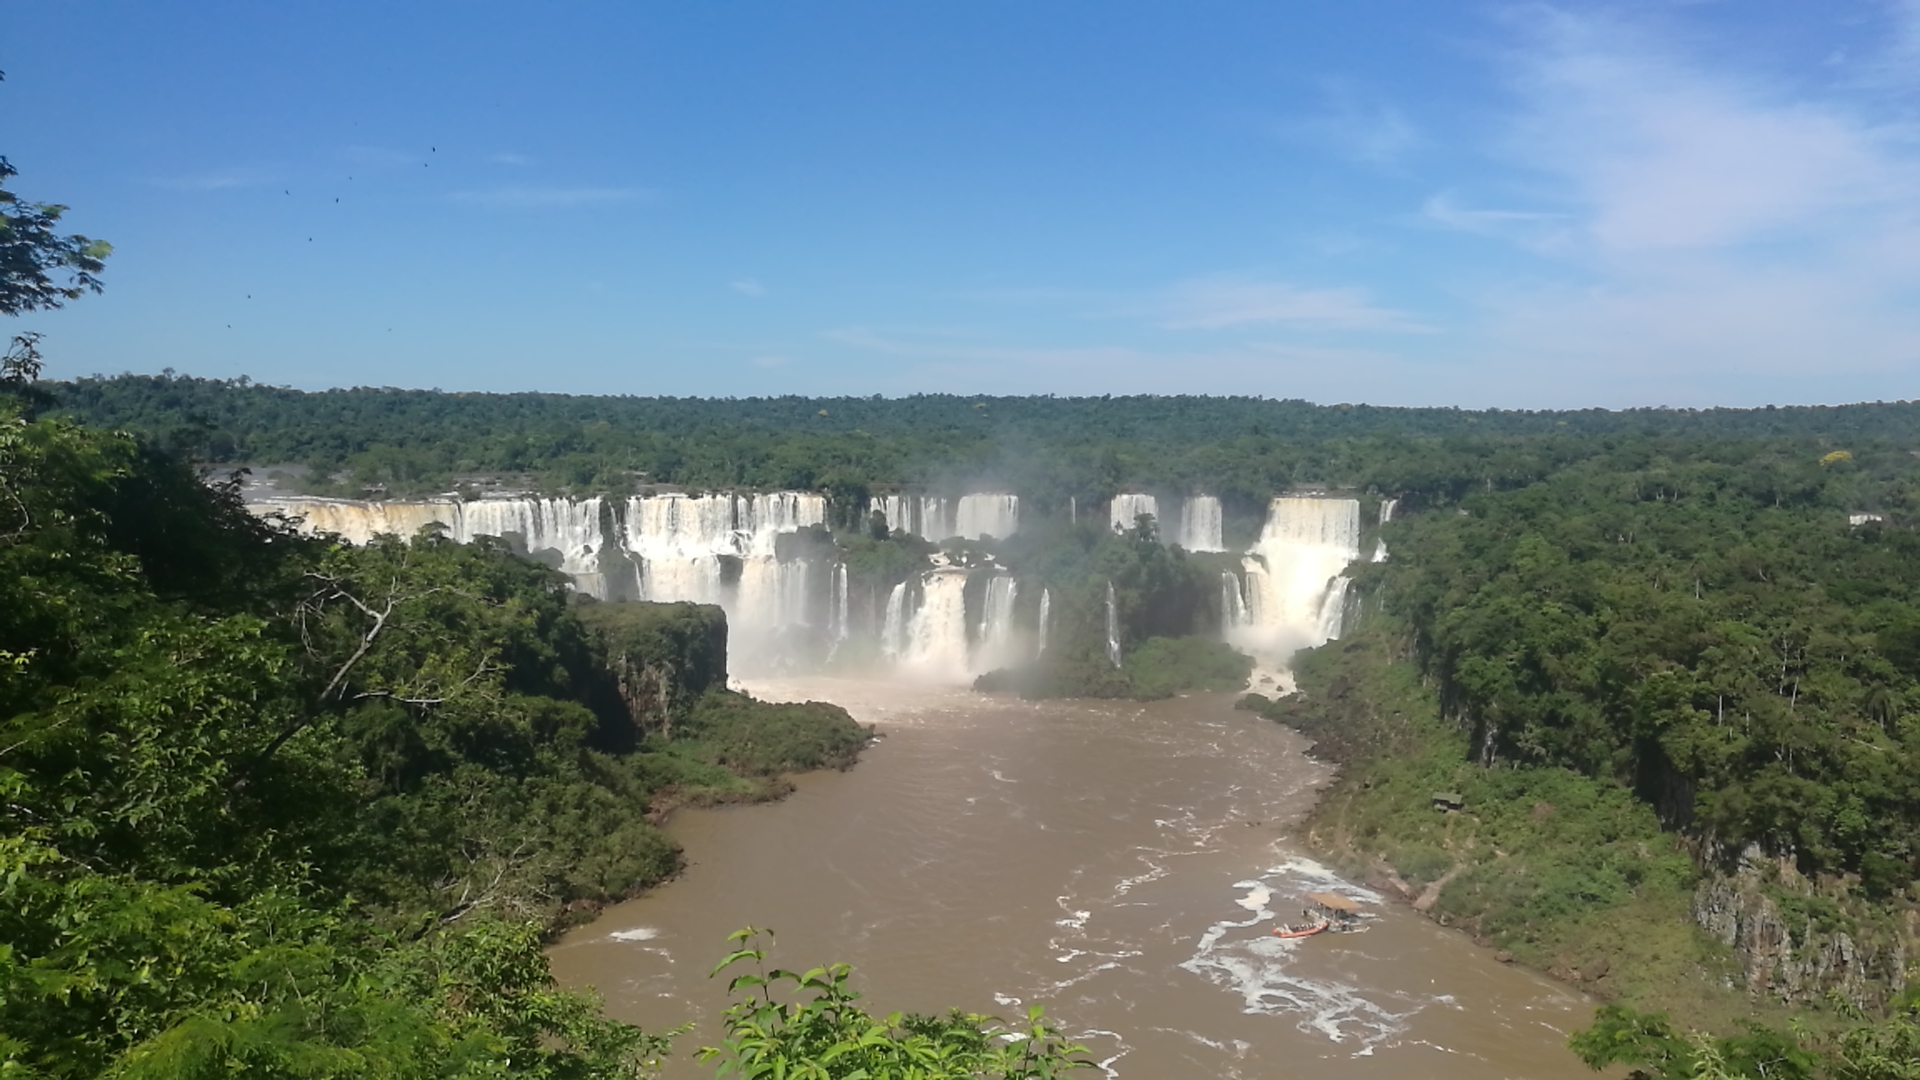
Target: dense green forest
pixel 1047 449
pixel 1675 681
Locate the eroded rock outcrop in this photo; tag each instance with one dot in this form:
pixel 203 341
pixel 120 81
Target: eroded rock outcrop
pixel 1792 957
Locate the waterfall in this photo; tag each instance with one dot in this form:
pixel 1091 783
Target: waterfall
pixel 1125 508
pixel 569 528
pixel 564 533
pixel 1200 524
pixel 901 512
pixel 837 621
pixel 1387 507
pixel 1233 603
pixel 934 635
pixel 925 631
pixel 994 643
pixel 934 517
pixel 982 515
pixel 680 542
pixel 1046 616
pixel 1295 588
pixel 1113 628
pixel 893 627
pixel 1073 510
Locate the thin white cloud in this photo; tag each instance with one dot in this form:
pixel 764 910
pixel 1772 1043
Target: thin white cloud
pixel 1221 303
pixel 1897 66
pixel 1700 229
pixel 748 287
pixel 1357 125
pixel 518 197
pixel 1540 230
pixel 1667 154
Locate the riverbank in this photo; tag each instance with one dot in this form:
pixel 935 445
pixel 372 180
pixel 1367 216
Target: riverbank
pixel 1554 871
pixel 1120 863
pixel 727 748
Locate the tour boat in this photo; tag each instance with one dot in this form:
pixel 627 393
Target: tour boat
pixel 1301 931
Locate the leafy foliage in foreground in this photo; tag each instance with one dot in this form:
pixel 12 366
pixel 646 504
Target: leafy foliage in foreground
pixel 810 1025
pixel 1889 1050
pixel 275 807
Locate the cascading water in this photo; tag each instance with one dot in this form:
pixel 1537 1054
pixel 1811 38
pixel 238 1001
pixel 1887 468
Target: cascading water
pixel 1233 603
pixel 935 517
pixel 664 547
pixel 724 549
pixel 560 531
pixel 1295 588
pixel 560 525
pixel 1387 507
pixel 1046 617
pixel 679 542
pixel 984 515
pixel 1113 628
pixel 994 643
pixel 934 635
pixel 1200 524
pixel 837 621
pixel 893 626
pixel 1123 512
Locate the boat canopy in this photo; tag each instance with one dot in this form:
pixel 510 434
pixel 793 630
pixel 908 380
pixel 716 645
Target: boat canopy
pixel 1334 902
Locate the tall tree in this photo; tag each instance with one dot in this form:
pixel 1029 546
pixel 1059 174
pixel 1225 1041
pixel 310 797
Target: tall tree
pixel 39 268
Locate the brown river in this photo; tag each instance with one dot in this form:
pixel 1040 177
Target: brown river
pixel 1122 864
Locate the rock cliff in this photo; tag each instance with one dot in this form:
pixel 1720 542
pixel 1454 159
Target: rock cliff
pixel 1798 942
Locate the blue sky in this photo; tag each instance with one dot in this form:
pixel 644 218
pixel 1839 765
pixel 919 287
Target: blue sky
pixel 1531 205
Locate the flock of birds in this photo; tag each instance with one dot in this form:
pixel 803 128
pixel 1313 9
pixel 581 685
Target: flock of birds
pixel 289 192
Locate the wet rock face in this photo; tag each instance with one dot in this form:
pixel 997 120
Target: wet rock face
pixel 1795 964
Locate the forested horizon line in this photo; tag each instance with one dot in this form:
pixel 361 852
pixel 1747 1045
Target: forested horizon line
pixel 1050 448
pixel 84 385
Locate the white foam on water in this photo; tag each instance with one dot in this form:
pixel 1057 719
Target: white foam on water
pixel 638 933
pixel 1302 870
pixel 1006 999
pixel 996 774
pixel 1154 873
pixel 1105 1064
pixel 1259 968
pixel 1063 984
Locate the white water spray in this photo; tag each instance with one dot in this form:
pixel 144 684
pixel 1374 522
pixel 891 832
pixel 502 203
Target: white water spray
pixel 1295 584
pixel 1113 628
pixel 936 517
pixel 1200 528
pixel 1046 617
pixel 1125 509
pixel 1387 507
